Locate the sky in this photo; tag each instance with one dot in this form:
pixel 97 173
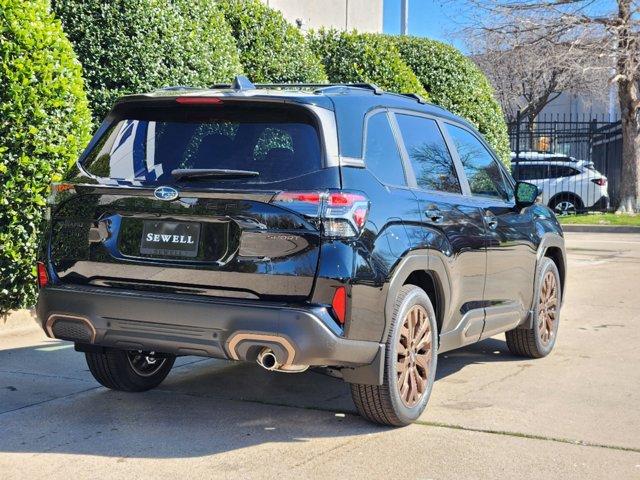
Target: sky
pixel 427 18
pixel 439 19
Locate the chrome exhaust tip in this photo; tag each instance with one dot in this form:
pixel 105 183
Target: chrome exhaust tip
pixel 268 360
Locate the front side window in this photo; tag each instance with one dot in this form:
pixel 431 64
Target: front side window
pixel 429 155
pixel 482 170
pixel 381 153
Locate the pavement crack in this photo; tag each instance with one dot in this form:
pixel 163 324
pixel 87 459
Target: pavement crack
pixel 528 436
pixel 49 400
pixel 36 374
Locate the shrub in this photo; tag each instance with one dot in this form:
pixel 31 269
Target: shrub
pixel 128 46
pixel 271 49
pixel 457 84
pixel 364 57
pixel 44 124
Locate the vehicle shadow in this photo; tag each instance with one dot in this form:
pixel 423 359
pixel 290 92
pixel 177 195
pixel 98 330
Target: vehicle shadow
pixel 203 408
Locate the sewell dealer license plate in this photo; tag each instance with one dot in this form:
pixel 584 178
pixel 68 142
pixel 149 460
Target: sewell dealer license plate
pixel 170 239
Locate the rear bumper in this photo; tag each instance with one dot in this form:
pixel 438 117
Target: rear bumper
pixel 189 325
pixel 601 204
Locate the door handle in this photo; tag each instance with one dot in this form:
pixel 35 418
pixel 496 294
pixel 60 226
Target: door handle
pixel 434 215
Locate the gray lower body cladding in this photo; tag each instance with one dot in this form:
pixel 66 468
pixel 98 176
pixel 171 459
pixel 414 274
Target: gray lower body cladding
pixel 188 325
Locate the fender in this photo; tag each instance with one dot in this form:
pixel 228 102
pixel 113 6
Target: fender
pixel 548 240
pixel 418 260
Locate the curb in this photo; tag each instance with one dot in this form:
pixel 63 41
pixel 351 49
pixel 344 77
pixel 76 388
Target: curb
pixel 601 228
pixel 18 320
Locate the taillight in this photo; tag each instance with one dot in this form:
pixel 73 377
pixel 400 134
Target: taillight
pixel 342 213
pixel 601 182
pixel 43 276
pixel 339 304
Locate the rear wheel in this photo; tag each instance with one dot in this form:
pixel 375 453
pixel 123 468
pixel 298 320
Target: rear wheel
pixel 128 371
pixel 566 204
pixel 410 363
pixel 538 340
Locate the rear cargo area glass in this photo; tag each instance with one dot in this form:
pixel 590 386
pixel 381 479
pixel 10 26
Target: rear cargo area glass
pixel 146 146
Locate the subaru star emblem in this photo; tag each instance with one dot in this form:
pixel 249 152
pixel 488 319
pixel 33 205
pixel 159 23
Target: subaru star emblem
pixel 165 193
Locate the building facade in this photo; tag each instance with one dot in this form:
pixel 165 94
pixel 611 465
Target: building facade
pixel 361 15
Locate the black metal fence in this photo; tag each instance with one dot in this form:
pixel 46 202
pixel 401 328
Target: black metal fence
pixel 574 161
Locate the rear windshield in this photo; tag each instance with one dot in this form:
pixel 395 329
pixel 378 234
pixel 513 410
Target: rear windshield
pixel 277 143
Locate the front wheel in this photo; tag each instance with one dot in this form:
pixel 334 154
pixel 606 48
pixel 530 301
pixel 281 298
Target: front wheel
pixel 539 339
pixel 410 363
pixel 128 371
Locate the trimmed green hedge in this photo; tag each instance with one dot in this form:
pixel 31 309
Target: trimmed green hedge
pixel 364 57
pixel 271 49
pixel 44 124
pixel 128 46
pixel 457 84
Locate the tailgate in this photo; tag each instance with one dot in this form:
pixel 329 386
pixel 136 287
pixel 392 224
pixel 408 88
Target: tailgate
pixel 219 244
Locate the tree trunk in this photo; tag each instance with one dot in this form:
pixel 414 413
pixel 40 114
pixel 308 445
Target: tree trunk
pixel 630 172
pixel 628 96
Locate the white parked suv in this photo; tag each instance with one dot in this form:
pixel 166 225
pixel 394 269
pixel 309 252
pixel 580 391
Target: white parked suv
pixel 567 185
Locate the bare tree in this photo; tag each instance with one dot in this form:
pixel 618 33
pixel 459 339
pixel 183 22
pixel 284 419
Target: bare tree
pixel 609 34
pixel 528 77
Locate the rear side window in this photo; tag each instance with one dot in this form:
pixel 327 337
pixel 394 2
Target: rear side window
pixel 530 172
pixel 482 170
pixel 557 171
pixel 430 158
pixel 277 143
pixel 381 153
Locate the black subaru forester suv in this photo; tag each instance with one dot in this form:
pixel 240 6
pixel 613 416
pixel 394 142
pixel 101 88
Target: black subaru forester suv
pixel 296 226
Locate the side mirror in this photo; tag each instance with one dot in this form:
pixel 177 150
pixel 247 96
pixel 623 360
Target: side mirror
pixel 526 194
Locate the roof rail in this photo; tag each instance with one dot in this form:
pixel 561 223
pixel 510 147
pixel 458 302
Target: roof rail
pixel 414 96
pixel 243 83
pixel 369 86
pixel 179 87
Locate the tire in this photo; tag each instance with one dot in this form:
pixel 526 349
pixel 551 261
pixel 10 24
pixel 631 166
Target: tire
pixel 128 371
pixel 538 340
pixel 385 404
pixel 566 204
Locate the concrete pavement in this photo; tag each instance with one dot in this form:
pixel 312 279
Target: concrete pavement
pixel 573 414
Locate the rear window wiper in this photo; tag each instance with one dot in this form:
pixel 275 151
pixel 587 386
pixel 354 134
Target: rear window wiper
pixel 195 173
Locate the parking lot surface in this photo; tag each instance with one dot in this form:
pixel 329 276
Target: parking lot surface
pixel 574 414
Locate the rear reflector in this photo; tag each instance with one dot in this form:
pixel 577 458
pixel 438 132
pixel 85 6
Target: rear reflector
pixel 342 213
pixel 43 276
pixel 198 100
pixel 339 304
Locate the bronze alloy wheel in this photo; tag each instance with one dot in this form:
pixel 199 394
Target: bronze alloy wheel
pixel 414 356
pixel 144 365
pixel 548 308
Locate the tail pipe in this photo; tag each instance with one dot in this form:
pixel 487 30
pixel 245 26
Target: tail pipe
pixel 276 353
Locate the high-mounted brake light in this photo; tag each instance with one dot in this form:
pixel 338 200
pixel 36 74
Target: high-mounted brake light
pixel 43 276
pixel 199 100
pixel 341 213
